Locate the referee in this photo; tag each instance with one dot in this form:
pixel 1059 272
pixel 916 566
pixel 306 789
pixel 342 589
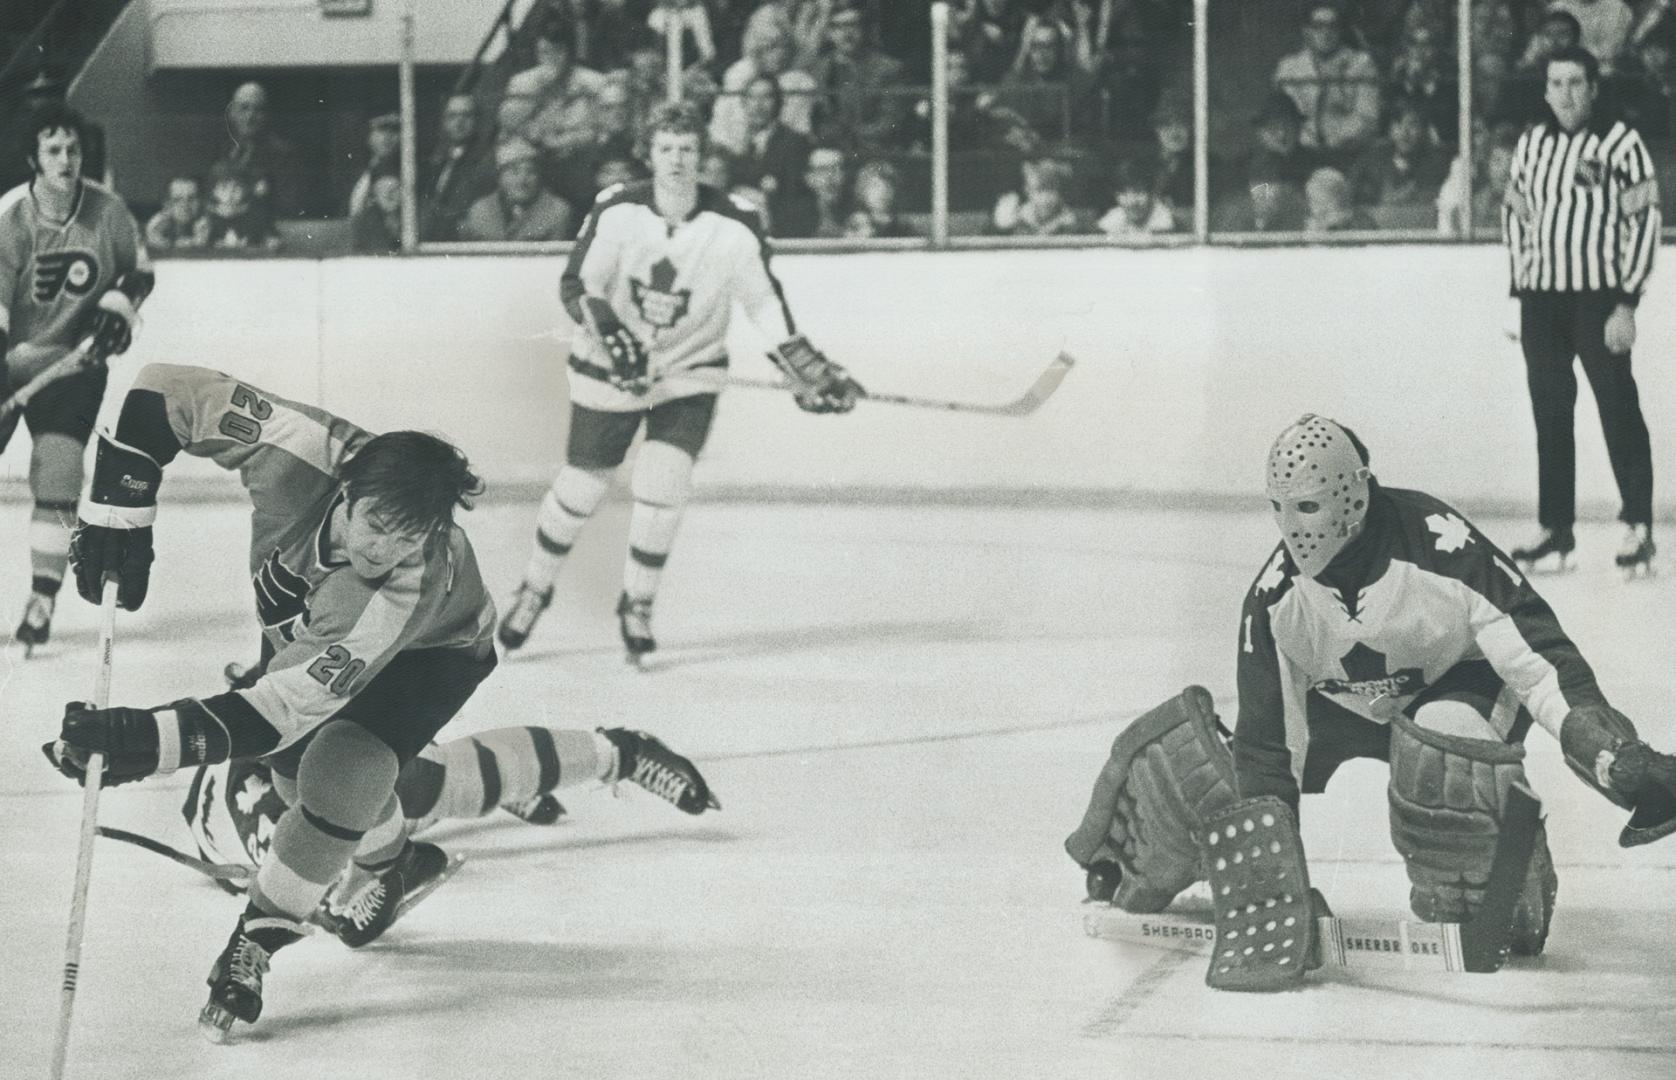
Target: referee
pixel 1581 222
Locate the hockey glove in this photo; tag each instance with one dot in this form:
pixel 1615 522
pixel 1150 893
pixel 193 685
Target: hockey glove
pixel 628 355
pixel 119 311
pixel 137 742
pixel 113 537
pixel 817 384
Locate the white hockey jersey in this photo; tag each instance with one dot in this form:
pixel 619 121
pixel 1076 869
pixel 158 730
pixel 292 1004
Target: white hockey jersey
pixel 1433 593
pixel 674 287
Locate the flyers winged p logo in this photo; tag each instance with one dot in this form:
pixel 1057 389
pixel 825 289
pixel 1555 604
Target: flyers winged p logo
pixel 72 271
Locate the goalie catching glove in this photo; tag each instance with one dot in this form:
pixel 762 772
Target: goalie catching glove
pixel 629 370
pixel 113 537
pixel 138 743
pixel 817 384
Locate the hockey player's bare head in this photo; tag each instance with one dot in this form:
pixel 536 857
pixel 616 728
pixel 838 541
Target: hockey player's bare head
pixel 54 148
pixel 1318 486
pixel 675 144
pixel 401 489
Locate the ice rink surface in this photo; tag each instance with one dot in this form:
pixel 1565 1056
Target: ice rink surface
pixel 902 710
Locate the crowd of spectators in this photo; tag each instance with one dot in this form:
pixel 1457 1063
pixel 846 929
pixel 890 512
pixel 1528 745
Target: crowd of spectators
pixel 1076 113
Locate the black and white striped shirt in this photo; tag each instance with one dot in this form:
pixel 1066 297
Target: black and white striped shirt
pixel 1581 213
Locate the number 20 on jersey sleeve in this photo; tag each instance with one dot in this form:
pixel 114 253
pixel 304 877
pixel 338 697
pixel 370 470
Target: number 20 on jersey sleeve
pixel 245 426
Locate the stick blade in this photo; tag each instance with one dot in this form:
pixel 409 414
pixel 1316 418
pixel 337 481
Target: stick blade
pixel 1488 938
pixel 1042 389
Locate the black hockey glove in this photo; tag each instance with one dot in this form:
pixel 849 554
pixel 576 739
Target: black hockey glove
pixel 817 384
pixel 125 554
pixel 134 741
pixel 113 537
pixel 118 311
pixel 629 369
pixel 127 738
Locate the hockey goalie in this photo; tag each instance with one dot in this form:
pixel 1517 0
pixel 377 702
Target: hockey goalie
pixel 1385 626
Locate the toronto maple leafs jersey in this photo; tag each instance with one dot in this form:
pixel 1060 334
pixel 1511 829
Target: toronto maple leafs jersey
pixel 232 809
pixel 53 273
pixel 1430 593
pixel 332 630
pixel 674 287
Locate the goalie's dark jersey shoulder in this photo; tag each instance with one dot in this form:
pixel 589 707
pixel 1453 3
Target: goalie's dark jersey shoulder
pixel 1434 536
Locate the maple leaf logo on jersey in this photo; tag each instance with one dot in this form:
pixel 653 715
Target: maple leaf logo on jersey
pixel 1452 533
pixel 251 792
pixel 1273 575
pixel 1367 676
pixel 74 272
pixel 661 304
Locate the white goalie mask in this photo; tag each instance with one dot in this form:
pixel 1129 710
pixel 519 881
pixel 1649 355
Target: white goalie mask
pixel 1318 486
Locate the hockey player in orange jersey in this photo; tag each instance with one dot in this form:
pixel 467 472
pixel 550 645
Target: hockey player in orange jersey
pixel 72 266
pixel 378 623
pixel 651 285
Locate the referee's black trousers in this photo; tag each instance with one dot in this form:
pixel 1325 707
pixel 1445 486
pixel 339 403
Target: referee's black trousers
pixel 1555 328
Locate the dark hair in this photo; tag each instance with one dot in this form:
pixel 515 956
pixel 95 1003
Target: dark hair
pixel 679 117
pixel 1576 54
pixel 417 479
pixel 556 30
pixel 49 117
pixel 1361 448
pixel 1560 15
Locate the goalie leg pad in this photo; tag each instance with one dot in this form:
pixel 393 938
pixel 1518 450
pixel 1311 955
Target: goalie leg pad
pixel 1265 909
pixel 1448 795
pixel 1168 771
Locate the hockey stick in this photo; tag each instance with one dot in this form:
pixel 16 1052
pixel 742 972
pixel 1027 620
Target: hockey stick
pixel 1479 946
pixel 239 875
pixel 77 359
pixel 1028 402
pixel 89 822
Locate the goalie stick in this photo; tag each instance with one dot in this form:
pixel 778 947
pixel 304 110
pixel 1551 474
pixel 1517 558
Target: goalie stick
pixel 1031 400
pixel 1479 946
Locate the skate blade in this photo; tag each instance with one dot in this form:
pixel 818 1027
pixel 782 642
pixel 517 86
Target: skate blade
pixel 1548 568
pixel 413 899
pixel 215 1023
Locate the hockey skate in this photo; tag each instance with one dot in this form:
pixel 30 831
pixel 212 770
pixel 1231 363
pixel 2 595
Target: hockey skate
pixel 235 981
pixel 36 626
pixel 372 907
pixel 542 809
pixel 527 606
pixel 1550 554
pixel 1635 557
pixel 634 620
pixel 644 760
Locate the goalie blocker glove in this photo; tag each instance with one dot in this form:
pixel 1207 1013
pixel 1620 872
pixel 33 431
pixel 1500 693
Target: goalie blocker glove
pixel 118 311
pixel 113 537
pixel 817 384
pixel 138 743
pixel 628 355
